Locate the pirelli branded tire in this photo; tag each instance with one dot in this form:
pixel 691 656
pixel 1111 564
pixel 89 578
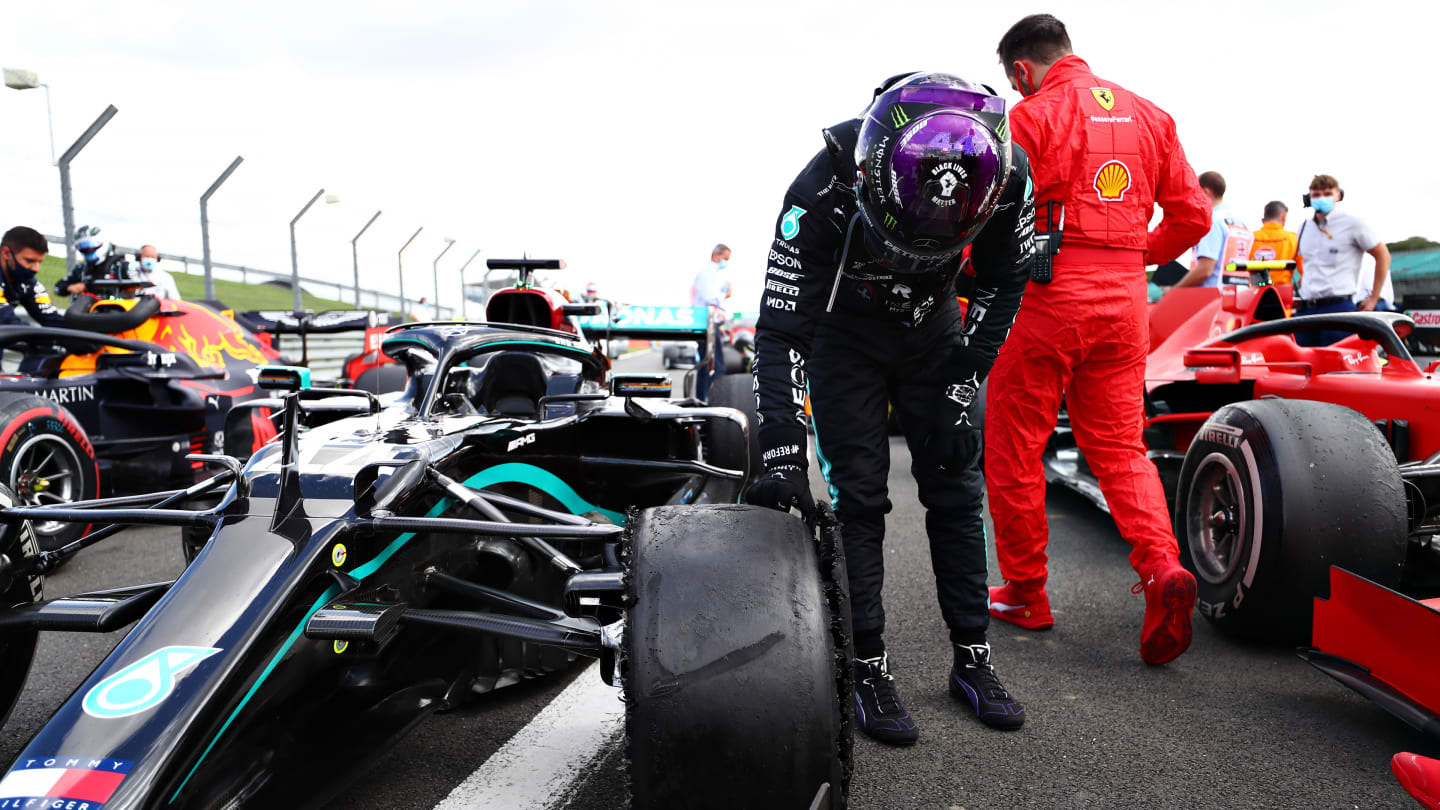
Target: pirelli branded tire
pixel 383 379
pixel 729 663
pixel 1271 494
pixel 734 361
pixel 46 458
pixel 17 645
pixel 728 446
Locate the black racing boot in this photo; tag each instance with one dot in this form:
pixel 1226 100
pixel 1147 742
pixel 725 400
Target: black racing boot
pixel 973 681
pixel 878 707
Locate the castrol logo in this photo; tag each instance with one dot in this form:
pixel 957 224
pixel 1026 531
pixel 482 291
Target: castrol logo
pixel 1112 181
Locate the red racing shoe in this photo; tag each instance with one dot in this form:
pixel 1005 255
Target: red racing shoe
pixel 1169 605
pixel 1420 776
pixel 1027 608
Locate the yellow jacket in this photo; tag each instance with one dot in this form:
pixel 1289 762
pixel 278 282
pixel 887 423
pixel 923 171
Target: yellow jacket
pixel 1274 242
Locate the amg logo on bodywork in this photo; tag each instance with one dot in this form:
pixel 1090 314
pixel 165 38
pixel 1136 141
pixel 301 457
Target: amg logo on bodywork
pixel 1227 435
pixel 65 396
pixel 520 442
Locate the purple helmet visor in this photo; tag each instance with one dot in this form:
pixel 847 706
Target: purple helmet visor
pixel 927 190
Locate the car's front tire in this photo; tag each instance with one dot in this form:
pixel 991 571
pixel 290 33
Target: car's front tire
pixel 46 458
pixel 17 644
pixel 731 653
pixel 727 446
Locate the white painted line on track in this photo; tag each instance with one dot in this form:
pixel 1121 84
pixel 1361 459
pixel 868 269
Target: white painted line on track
pixel 635 354
pixel 537 766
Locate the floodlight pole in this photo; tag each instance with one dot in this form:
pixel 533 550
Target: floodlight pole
pixel 355 254
pixel 435 274
pixel 400 260
pixel 463 296
pixel 205 224
pixel 294 256
pixel 67 210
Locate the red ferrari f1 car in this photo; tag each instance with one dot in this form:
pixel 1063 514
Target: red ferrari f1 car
pixel 1304 482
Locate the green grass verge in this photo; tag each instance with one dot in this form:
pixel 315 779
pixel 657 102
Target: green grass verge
pixel 241 297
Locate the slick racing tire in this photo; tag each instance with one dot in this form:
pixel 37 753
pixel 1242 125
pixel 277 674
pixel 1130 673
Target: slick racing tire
pixel 46 458
pixel 17 645
pixel 383 379
pixel 727 446
pixel 1271 494
pixel 247 430
pixel 730 663
pixel 734 360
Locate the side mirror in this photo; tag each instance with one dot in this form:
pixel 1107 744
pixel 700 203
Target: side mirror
pixel 640 385
pixel 1214 365
pixel 283 378
pixel 582 310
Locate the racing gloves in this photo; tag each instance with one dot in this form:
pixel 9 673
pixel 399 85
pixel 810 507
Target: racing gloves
pixel 954 440
pixel 781 488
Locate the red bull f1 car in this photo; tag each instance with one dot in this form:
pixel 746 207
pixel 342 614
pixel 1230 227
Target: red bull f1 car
pixel 117 402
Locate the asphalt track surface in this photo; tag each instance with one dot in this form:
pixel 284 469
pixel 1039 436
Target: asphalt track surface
pixel 1226 726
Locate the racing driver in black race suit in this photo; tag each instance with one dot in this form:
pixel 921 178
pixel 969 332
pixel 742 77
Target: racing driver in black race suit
pixel 860 300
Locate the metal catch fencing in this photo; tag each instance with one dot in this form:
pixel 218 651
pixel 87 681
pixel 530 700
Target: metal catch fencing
pixel 320 288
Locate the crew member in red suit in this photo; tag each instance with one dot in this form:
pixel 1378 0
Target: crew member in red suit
pixel 1107 156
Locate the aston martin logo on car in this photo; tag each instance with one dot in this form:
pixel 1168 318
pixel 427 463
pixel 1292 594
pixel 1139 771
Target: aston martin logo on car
pixel 70 394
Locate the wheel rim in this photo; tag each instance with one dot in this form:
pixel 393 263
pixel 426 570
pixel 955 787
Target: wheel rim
pixel 46 471
pixel 1215 523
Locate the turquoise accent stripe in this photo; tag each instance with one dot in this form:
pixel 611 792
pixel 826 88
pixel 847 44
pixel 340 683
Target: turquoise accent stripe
pixel 543 480
pixel 824 462
pixel 560 346
pixel 420 343
pixel 329 594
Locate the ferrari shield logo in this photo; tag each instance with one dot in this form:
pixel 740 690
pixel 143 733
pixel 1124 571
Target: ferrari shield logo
pixel 1104 97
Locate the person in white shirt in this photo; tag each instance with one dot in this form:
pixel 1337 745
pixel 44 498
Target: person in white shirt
pixel 1332 245
pixel 420 313
pixel 1386 301
pixel 163 283
pixel 710 290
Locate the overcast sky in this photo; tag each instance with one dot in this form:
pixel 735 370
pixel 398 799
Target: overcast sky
pixel 627 138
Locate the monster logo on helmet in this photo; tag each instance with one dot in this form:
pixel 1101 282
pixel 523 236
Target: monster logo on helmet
pixel 932 160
